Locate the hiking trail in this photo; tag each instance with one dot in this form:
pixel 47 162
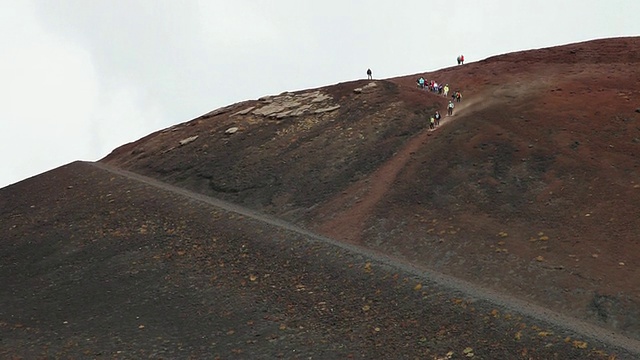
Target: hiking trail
pixel 455 285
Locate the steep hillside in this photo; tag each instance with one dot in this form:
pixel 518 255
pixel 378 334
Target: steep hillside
pixel 99 263
pixel 532 187
pixel 291 152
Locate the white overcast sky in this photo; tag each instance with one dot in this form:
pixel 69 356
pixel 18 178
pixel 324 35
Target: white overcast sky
pixel 79 78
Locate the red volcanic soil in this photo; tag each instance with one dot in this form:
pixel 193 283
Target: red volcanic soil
pixel 532 187
pixel 101 263
pixel 531 190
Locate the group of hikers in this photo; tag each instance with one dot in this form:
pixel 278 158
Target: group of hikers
pixel 434 120
pixel 432 86
pixel 457 97
pixel 439 89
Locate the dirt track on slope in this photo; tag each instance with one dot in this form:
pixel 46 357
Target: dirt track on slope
pixel 556 320
pixel 531 191
pixel 348 224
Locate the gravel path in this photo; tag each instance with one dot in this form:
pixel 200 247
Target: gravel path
pixel 456 286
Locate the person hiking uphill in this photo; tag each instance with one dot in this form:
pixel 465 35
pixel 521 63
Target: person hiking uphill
pixel 369 76
pixel 458 96
pixel 450 108
pixel 432 123
pixel 446 90
pixel 437 117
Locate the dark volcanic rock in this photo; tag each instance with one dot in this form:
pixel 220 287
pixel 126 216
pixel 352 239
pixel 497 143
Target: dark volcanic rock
pixel 542 209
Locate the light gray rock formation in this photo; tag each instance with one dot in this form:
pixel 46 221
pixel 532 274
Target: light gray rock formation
pixel 267 110
pixel 245 111
pixel 327 109
pixel 321 98
pixel 188 140
pixel 289 104
pixel 301 110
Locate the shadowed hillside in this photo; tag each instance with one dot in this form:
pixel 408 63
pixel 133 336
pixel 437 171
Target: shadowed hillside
pixel 100 263
pixel 531 189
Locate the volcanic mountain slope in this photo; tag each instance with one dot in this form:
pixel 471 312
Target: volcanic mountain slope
pixel 100 263
pixel 531 188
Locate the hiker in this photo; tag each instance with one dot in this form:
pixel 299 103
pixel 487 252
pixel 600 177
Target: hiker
pixel 421 83
pixel 369 76
pixel 461 59
pixel 432 123
pixel 446 90
pixel 458 58
pixel 437 117
pixel 458 96
pixel 450 108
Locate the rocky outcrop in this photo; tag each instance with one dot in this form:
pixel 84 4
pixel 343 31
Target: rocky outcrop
pixel 231 130
pixel 327 109
pixel 292 105
pixel 270 109
pixel 245 111
pixel 367 88
pixel 188 140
